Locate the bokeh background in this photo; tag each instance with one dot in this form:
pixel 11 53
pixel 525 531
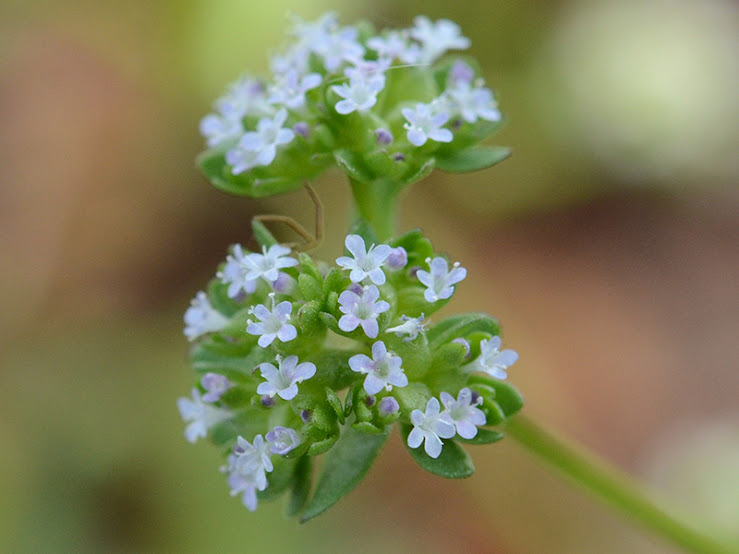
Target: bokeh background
pixel 607 246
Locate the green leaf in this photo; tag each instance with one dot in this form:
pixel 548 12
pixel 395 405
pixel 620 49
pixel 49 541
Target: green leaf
pixel 343 468
pixel 484 436
pixel 235 363
pixel 262 234
pixel 308 266
pixel 472 159
pixel 301 486
pixel 310 287
pixel 460 326
pixel 280 479
pixel 506 396
pixel 335 403
pixel 333 369
pixel 364 230
pixel 353 165
pixel 367 428
pixel 319 447
pixel 452 463
pixel 415 174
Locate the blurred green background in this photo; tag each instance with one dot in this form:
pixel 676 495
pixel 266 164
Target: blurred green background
pixel 607 246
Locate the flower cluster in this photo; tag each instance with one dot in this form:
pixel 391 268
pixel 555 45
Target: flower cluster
pixel 335 89
pixel 269 373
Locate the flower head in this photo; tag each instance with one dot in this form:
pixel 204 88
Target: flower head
pixel 201 318
pixel 267 265
pixel 383 370
pixel 260 147
pixel 215 384
pixel 492 360
pixel 291 88
pixel 425 123
pixel 365 263
pixel 340 46
pixel 462 412
pixel 283 380
pixel 473 102
pixel 272 323
pixel 245 483
pixel 440 281
pixel 361 309
pixel 394 45
pixel 430 428
pixel 199 416
pixel 359 95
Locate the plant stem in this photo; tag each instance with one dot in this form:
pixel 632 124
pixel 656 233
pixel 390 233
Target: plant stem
pixel 610 484
pixel 376 203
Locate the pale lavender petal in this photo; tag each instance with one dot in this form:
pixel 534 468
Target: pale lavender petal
pixel 287 333
pixel 266 339
pixel 355 245
pixel 432 446
pixel 370 327
pixel 373 384
pixel 415 438
pixel 350 322
pixel 377 276
pixel 289 393
pixel 507 357
pixel 303 371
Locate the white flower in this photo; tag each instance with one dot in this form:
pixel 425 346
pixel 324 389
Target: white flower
pixel 201 318
pixel 383 370
pixel 424 123
pixel 242 160
pixel 283 381
pixel 365 263
pixel 394 45
pixel 269 135
pixel 234 273
pixel 440 281
pixel 282 439
pixel 438 37
pixel 291 88
pixel 215 385
pixel 311 35
pixel 362 310
pixel 473 103
pixel 267 265
pixel 199 416
pixel 247 468
pixel 358 95
pixel 368 70
pixel 218 128
pixel 272 323
pixel 462 412
pixel 491 360
pixel 338 47
pixel 429 428
pixel 411 326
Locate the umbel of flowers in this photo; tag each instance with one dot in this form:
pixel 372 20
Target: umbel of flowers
pixel 386 107
pixel 296 358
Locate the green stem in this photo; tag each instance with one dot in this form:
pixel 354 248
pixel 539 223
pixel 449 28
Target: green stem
pixel 610 484
pixel 376 203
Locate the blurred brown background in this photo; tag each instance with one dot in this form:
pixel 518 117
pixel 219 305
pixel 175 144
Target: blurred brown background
pixel 607 246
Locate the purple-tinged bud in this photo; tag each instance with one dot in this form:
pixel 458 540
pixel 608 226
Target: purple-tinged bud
pixel 456 124
pixel 465 343
pixel 356 288
pixel 215 385
pixel 388 406
pixel 399 157
pixel 302 128
pixel 384 137
pixel 305 415
pixel 414 270
pixel 370 401
pixel 284 284
pixel 397 259
pixel 283 440
pixel 267 401
pixel 461 73
pixel 475 398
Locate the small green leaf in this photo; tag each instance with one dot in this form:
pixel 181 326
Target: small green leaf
pixel 367 428
pixel 309 317
pixel 472 159
pixel 417 173
pixel 353 165
pixel 335 282
pixel 460 326
pixel 262 234
pixel 308 266
pixel 494 414
pixel 333 369
pixel 310 287
pixel 483 436
pixel 506 396
pixel 335 403
pixel 301 486
pixel 322 446
pixel 280 479
pixel 452 463
pixel 343 468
